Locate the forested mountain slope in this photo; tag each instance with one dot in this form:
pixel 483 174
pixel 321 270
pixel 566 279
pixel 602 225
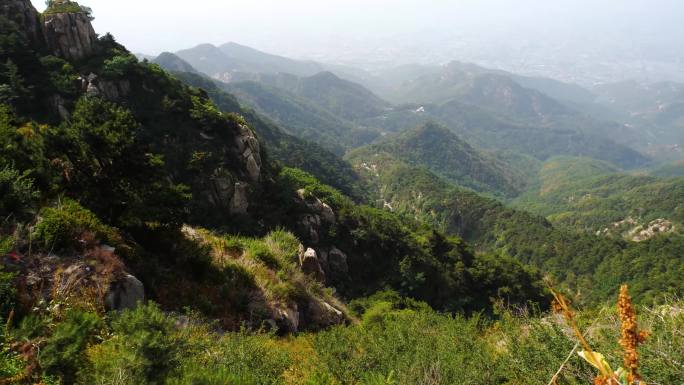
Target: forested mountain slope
pixel 115 164
pixel 438 149
pixel 592 196
pixel 591 265
pixel 288 149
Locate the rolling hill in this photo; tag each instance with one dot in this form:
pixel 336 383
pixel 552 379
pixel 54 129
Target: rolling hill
pixel 589 195
pixel 173 63
pixel 232 60
pixel 438 149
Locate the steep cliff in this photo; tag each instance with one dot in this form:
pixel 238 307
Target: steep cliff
pixel 27 18
pixel 70 35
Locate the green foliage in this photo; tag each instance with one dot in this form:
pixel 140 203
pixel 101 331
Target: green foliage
pixel 588 195
pixel 143 349
pixel 22 146
pixel 8 292
pixel 65 225
pixel 66 6
pixel 62 75
pixel 205 112
pixel 241 358
pixel 17 195
pixel 119 65
pixel 100 149
pixel 63 353
pixel 436 148
pixel 585 262
pixel 386 251
pixel 13 87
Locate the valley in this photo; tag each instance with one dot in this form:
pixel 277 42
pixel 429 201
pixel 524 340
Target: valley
pixel 223 215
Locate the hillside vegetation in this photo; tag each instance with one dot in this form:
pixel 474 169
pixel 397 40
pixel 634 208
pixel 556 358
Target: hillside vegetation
pixel 438 149
pixel 155 231
pixel 592 266
pixel 592 196
pixel 147 346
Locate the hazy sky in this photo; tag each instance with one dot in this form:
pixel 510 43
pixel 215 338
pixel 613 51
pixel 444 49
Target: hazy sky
pixel 153 26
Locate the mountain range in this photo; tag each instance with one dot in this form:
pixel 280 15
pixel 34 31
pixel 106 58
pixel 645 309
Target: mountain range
pixel 221 215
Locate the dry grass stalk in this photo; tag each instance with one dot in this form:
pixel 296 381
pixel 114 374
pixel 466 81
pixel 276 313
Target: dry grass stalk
pixel 631 337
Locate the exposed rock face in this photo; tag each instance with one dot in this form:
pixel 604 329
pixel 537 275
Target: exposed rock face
pixel 222 189
pixel 239 203
pixel 125 293
pixel 337 262
pixel 320 314
pixel 57 103
pixel 110 90
pixel 27 18
pixel 309 226
pixel 655 227
pixel 314 204
pixel 248 148
pixel 70 35
pixel 630 229
pixel 310 264
pixel 287 319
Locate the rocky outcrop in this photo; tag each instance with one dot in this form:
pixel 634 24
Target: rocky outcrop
pixel 652 229
pixel 110 90
pixel 309 227
pixel 286 319
pixel 320 216
pixel 317 206
pixel 96 277
pixel 337 262
pixel 320 314
pixel 248 149
pixel 333 261
pixel 27 18
pixel 70 35
pixel 125 293
pixel 630 229
pixel 239 203
pixel 308 260
pixel 57 103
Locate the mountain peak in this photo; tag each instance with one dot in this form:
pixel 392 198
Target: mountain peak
pixel 171 62
pixel 437 148
pixel 432 128
pixel 64 27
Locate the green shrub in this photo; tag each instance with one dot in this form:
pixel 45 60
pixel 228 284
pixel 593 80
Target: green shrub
pixel 238 358
pixel 63 226
pixel 143 349
pixel 66 6
pixel 63 353
pixel 17 194
pixel 8 292
pixel 119 65
pixel 205 112
pixel 62 76
pixel 259 251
